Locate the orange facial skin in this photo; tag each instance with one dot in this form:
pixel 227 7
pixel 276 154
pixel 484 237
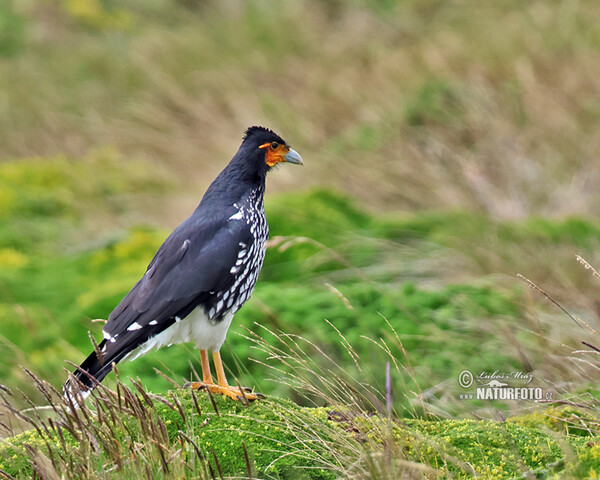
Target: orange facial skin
pixel 275 153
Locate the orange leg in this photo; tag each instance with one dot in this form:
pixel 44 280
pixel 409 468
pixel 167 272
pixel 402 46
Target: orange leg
pixel 221 379
pixel 206 376
pixel 222 387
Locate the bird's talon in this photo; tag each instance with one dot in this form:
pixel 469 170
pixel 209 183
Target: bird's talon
pixel 195 385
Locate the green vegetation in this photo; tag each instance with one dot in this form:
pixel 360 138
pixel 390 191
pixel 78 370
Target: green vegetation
pixel 189 435
pixel 341 281
pixel 230 437
pixel 342 274
pixel 48 301
pixel 333 304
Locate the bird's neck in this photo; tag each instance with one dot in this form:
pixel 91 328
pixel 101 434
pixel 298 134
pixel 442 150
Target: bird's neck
pixel 233 186
pixel 255 198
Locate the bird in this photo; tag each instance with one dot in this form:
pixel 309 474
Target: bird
pixel 200 276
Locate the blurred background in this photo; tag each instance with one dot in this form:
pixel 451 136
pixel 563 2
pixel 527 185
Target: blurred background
pixel 448 146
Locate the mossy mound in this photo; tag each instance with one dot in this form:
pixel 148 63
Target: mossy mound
pixel 190 435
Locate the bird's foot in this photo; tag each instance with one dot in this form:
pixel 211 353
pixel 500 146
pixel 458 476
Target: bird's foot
pixel 234 393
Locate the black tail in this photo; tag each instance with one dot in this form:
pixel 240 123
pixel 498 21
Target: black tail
pixel 90 373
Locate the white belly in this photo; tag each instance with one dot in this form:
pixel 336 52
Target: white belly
pixel 196 328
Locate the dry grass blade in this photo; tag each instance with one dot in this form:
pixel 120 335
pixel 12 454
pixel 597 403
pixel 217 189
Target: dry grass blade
pixel 217 464
pixel 577 321
pixel 137 383
pixel 213 403
pixel 196 406
pixel 192 443
pixel 5 476
pixel 179 407
pixel 591 346
pixel 347 346
pixel 587 266
pixel 243 399
pixel 315 375
pixel 247 460
pixel 167 378
pixel 43 466
pixel 97 349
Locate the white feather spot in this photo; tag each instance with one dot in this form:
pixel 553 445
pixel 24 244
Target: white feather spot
pixel 178 319
pixel 106 335
pixel 185 244
pixel 234 269
pixel 237 216
pixel 219 305
pixel 153 322
pixel 134 326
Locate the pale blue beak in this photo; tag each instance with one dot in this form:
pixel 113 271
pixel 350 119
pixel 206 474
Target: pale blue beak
pixel 293 157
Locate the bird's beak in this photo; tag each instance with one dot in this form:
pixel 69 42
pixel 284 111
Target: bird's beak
pixel 293 157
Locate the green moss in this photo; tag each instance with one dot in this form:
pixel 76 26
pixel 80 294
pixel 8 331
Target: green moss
pixel 494 449
pixel 587 464
pixel 277 439
pixel 266 431
pixel 261 429
pixel 560 419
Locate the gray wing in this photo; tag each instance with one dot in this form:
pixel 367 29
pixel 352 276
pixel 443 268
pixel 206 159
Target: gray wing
pixel 192 264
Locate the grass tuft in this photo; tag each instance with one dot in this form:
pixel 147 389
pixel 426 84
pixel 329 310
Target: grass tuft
pixel 130 431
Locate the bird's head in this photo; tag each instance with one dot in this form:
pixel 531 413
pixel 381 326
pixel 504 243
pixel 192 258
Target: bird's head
pixel 268 149
pixel 261 150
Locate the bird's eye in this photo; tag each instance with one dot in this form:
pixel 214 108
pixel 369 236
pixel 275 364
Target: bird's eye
pixel 274 146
